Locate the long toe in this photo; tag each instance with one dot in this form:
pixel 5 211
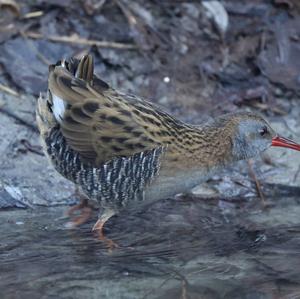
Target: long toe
pixel 98 229
pixel 109 243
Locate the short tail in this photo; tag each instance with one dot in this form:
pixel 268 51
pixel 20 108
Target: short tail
pixel 79 68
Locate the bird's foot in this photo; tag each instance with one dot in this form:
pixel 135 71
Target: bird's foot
pixel 83 216
pixel 109 243
pixel 98 228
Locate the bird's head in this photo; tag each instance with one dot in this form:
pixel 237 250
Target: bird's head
pixel 252 134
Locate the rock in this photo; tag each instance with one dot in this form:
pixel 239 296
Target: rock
pixel 11 197
pixel 204 190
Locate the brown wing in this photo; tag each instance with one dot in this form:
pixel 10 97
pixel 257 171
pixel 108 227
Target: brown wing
pixel 101 123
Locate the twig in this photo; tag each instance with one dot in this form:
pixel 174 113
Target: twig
pixel 75 39
pixel 296 174
pixel 257 183
pixel 12 4
pixel 8 90
pixel 99 5
pixel 91 7
pixel 19 119
pixel 128 14
pixel 33 14
pixel 37 149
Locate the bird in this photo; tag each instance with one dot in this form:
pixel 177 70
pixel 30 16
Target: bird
pixel 122 151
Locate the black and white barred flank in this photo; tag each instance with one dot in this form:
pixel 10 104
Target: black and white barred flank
pixel 114 183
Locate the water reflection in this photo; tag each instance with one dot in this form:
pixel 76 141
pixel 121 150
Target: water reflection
pixel 184 248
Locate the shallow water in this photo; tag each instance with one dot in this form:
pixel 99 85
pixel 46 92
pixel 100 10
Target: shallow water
pixel 183 248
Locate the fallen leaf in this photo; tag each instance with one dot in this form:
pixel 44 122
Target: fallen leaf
pixel 12 5
pixel 218 13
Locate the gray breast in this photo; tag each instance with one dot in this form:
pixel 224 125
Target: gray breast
pixel 113 184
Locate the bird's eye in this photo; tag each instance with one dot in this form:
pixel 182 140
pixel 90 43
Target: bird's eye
pixel 263 131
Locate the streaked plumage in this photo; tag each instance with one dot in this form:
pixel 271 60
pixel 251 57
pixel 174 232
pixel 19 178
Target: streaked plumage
pixel 121 150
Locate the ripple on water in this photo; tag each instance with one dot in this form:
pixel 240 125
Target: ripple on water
pixel 185 247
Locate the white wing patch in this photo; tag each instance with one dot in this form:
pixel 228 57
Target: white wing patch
pixel 58 107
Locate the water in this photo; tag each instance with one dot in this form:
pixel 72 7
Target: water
pixel 184 248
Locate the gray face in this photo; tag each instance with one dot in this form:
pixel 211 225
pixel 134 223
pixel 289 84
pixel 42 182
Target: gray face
pixel 253 136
